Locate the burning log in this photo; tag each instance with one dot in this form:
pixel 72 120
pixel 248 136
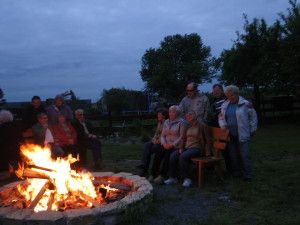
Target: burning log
pixel 38 197
pixel 123 187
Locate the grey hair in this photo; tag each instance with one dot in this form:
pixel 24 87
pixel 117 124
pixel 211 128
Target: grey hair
pixel 233 89
pixel 195 86
pixel 6 116
pixel 79 111
pixel 176 108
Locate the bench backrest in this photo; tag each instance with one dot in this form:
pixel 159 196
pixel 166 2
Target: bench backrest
pixel 220 138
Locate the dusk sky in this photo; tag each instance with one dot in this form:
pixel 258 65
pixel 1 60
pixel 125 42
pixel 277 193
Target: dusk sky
pixel 48 47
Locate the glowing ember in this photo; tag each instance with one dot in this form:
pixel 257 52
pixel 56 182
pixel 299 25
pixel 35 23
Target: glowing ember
pixel 62 188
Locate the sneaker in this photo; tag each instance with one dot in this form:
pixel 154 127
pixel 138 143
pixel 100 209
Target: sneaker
pixel 171 181
pixel 150 178
pixel 159 180
pixel 187 182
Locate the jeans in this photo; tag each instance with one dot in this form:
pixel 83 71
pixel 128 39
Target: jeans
pixel 95 145
pixel 239 153
pixel 184 160
pixel 148 150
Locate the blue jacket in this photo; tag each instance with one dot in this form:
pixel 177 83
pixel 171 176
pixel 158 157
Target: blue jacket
pixel 246 119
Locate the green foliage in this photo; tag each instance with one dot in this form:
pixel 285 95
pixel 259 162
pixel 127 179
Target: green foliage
pixel 178 61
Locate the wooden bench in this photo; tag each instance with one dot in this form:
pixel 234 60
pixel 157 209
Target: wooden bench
pixel 220 139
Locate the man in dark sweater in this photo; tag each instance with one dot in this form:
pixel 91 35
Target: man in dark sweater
pixel 87 138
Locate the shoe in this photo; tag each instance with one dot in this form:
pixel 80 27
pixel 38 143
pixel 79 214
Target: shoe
pixel 171 181
pixel 150 178
pixel 159 180
pixel 187 182
pixel 140 167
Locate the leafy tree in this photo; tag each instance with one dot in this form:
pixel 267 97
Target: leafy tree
pixel 2 100
pixel 289 81
pixel 253 61
pixel 178 61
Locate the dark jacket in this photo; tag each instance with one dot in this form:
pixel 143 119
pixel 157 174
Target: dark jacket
pixel 82 136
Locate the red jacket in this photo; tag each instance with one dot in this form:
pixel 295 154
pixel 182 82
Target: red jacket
pixel 60 134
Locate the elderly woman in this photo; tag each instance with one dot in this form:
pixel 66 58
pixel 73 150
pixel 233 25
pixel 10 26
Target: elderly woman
pixel 10 140
pixel 242 123
pixel 66 138
pixel 197 142
pixel 172 135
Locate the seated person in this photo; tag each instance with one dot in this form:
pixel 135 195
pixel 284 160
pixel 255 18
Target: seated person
pixel 172 134
pixel 86 138
pixel 153 147
pixel 66 137
pixel 197 142
pixel 10 140
pixel 43 135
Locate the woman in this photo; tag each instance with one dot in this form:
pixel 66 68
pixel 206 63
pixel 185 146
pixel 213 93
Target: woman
pixel 172 135
pixel 66 138
pixel 197 142
pixel 242 123
pixel 10 140
pixel 153 147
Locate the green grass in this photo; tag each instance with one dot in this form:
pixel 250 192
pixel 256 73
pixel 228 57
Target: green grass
pixel 272 198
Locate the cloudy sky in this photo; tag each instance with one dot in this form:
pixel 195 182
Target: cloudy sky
pixel 48 47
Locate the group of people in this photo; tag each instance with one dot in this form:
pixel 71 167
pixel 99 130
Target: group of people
pixel 183 132
pixel 56 126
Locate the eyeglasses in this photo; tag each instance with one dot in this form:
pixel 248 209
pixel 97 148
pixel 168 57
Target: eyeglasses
pixel 190 90
pixel 81 114
pixel 44 118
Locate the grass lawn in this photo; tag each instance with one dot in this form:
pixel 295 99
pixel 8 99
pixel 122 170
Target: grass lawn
pixel 272 198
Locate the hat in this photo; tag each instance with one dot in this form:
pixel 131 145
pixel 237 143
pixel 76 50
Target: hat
pixel 59 97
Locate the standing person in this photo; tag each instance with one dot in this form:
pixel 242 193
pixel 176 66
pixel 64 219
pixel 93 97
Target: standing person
pixel 215 103
pixel 242 123
pixel 35 108
pixel 43 136
pixel 199 103
pixel 87 138
pixel 10 141
pixel 172 135
pixel 154 146
pixel 66 137
pixel 59 106
pixel 197 142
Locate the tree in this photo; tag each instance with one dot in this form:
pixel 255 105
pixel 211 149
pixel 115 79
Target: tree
pixel 178 61
pixel 253 61
pixel 290 78
pixel 2 100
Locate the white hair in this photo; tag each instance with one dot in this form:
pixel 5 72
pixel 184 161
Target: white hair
pixel 6 116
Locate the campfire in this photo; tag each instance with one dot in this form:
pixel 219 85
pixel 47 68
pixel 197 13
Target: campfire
pixel 54 185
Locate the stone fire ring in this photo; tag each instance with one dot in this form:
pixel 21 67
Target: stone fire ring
pixel 137 200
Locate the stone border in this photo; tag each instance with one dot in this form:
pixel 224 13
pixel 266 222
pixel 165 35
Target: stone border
pixel 135 202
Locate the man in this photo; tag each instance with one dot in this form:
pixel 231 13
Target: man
pixel 196 102
pixel 86 138
pixel 43 136
pixel 58 107
pixel 35 108
pixel 215 103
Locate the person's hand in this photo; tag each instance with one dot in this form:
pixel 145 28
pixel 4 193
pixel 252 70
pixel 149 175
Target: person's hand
pixel 71 141
pixel 180 151
pixel 168 146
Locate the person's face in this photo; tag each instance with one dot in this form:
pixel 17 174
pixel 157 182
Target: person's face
pixel 36 103
pixel 218 92
pixel 61 119
pixel 43 119
pixel 190 91
pixel 232 97
pixel 160 116
pixel 59 102
pixel 189 117
pixel 80 116
pixel 172 114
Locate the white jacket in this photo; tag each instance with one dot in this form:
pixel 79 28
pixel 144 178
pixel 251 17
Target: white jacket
pixel 246 119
